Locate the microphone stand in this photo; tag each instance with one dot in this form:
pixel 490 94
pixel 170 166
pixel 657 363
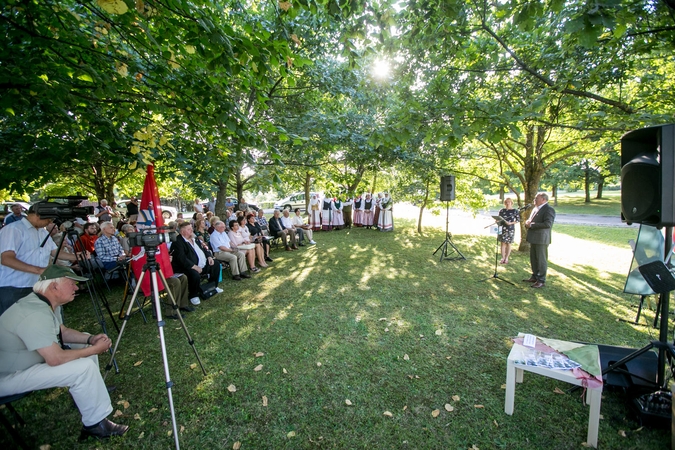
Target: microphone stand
pixel 500 222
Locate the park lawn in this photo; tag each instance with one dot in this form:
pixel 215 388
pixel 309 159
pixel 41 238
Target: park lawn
pixel 375 319
pixel 574 203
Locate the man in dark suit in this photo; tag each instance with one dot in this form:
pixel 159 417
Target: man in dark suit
pixel 192 258
pixel 277 229
pixel 539 236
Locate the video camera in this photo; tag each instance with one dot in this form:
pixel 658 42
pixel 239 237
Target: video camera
pixel 146 239
pixel 62 208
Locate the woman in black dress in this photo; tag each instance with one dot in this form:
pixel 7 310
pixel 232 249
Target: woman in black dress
pixel 511 217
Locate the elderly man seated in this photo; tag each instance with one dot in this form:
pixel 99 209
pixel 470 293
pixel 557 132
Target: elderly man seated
pixel 288 224
pixel 34 355
pixel 192 258
pixel 108 248
pixel 222 247
pixel 277 229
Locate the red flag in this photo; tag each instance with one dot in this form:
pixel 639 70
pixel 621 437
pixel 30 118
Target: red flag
pixel 150 216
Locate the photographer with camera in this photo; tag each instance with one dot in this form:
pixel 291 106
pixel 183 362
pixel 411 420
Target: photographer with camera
pixel 25 252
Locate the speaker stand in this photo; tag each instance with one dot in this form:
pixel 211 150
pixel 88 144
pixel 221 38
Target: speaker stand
pixel 455 255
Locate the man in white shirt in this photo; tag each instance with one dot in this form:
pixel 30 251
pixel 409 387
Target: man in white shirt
pixel 303 228
pixel 223 251
pixel 288 224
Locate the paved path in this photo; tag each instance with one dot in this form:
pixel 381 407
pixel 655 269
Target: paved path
pixel 583 219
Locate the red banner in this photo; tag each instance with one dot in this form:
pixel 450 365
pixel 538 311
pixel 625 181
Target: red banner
pixel 149 218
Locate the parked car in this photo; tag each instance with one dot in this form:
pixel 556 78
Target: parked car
pixel 168 212
pixel 295 200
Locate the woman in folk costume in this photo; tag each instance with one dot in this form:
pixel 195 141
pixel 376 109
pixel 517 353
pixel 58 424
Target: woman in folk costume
pixel 327 213
pixel 376 217
pixel 367 208
pixel 386 222
pixel 358 212
pixel 347 212
pixel 338 219
pixel 315 213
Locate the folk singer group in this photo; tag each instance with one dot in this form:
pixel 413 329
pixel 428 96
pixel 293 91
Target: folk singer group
pixel 363 211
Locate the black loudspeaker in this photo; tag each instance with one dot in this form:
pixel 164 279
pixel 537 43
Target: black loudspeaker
pixel 648 175
pixel 447 188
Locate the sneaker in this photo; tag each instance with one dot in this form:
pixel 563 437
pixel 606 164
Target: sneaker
pixel 312 242
pixel 255 269
pixel 219 290
pixel 195 301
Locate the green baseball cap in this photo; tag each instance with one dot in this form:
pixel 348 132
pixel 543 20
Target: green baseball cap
pixel 55 271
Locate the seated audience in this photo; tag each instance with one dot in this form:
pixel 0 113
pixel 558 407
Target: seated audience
pixel 16 215
pixel 259 252
pixel 201 232
pixel 108 248
pixel 257 235
pixel 262 221
pixel 33 352
pixel 288 223
pixel 87 239
pixel 237 240
pixel 277 229
pixel 192 258
pixel 224 251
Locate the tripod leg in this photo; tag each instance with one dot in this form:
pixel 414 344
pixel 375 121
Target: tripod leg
pixel 160 326
pixel 182 322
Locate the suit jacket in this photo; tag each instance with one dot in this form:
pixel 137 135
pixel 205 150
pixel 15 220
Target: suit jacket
pixel 540 227
pixel 184 256
pixel 275 226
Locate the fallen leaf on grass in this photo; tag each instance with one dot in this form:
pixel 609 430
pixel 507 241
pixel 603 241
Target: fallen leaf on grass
pixel 124 403
pixel 435 413
pixel 348 402
pixel 169 433
pixel 118 413
pixel 455 398
pixel 410 376
pixel 405 407
pixel 137 416
pixel 558 391
pixel 503 386
pixel 421 335
pixel 236 446
pixel 381 319
pixel 138 363
pixel 622 433
pixel 388 414
pixel 639 429
pixel 284 370
pixel 182 428
pixel 232 388
pixel 152 410
pixel 406 357
pixel 193 366
pixel 264 399
pixel 259 354
pixel 318 364
pixel 448 407
pixel 601 417
pixel 258 368
pixel 290 434
pixel 386 330
pixel 495 422
pixel 473 447
pixel 478 406
pixel 142 435
pixel 585 444
pixel 45 447
pixel 439 332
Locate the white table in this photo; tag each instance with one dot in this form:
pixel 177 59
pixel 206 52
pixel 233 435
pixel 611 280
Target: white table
pixel 514 374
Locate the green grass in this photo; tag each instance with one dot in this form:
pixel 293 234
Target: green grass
pixel 573 203
pixel 357 303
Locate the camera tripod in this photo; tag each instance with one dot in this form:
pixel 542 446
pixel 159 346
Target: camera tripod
pixel 448 241
pixel 153 267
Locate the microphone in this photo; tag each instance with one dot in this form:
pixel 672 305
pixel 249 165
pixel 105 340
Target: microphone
pixel 526 207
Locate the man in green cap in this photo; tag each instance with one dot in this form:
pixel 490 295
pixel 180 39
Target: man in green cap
pixel 38 352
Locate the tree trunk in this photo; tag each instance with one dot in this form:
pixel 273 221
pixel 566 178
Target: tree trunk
pixel 372 188
pixel 601 184
pixel 424 204
pixel 501 193
pixel 534 169
pixel 587 185
pixel 221 197
pixel 307 183
pixel 554 194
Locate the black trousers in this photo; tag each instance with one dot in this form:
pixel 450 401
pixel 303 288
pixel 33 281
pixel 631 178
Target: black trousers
pixel 539 261
pixel 194 278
